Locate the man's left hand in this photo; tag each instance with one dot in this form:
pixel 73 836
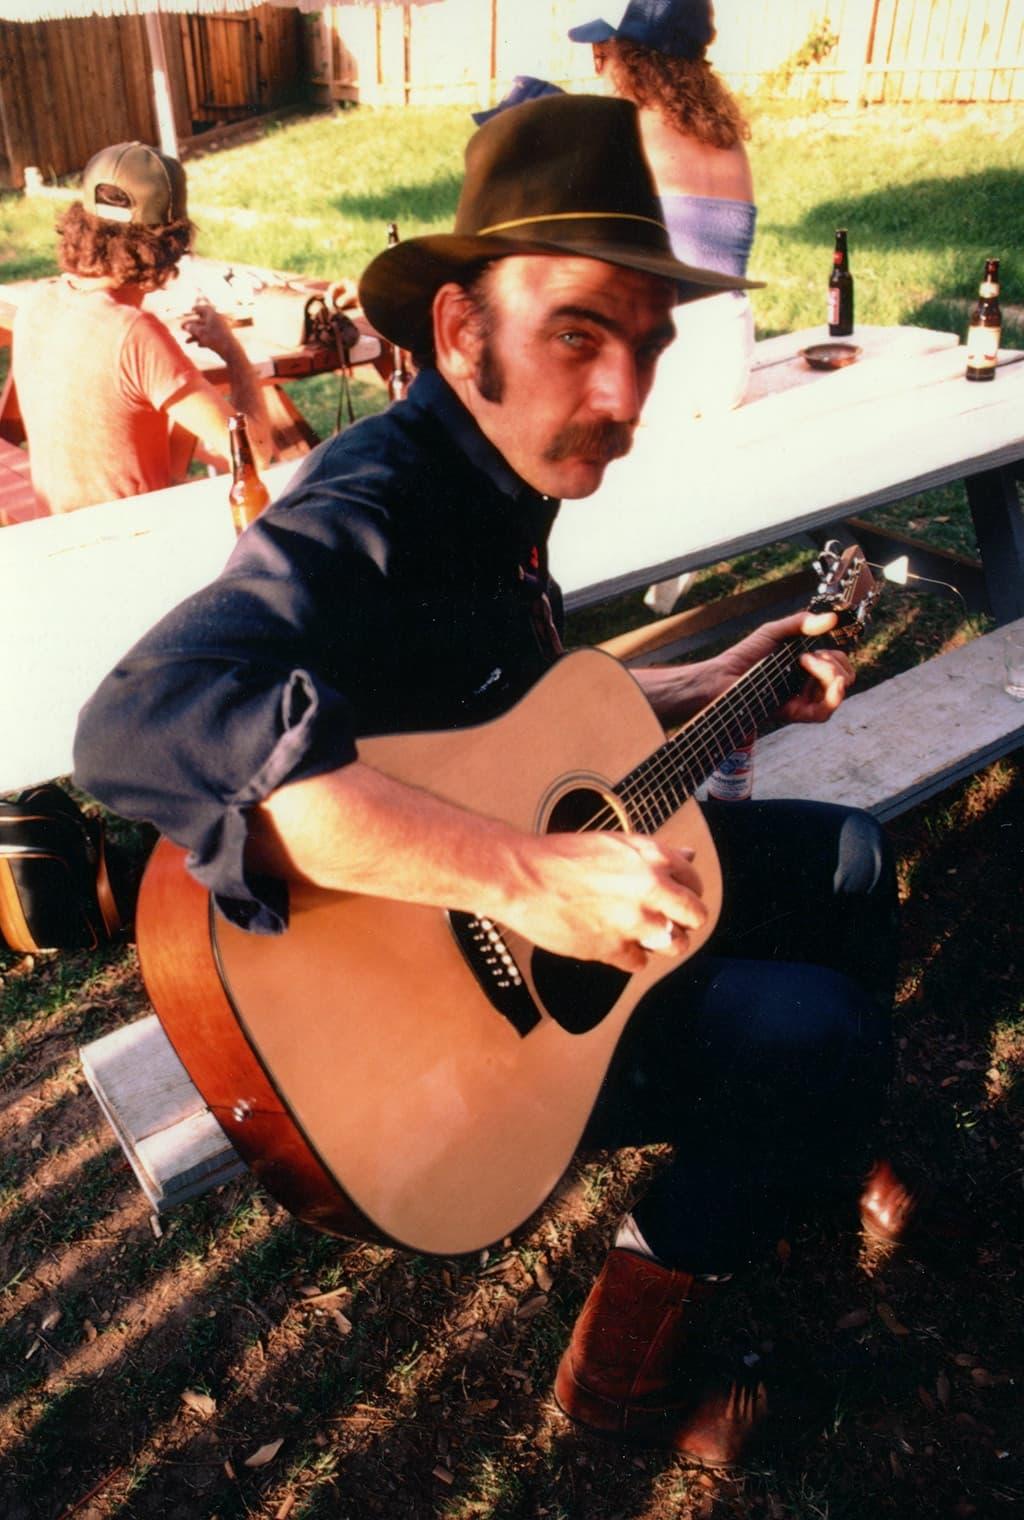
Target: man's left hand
pixel 830 673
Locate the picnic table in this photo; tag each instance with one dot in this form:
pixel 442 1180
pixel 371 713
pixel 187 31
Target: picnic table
pixel 804 452
pixel 264 307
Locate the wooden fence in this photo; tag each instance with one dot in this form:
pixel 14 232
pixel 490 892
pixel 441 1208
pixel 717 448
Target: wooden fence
pixel 468 51
pixel 67 88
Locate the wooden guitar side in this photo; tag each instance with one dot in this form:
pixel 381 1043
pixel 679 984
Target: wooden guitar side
pixel 179 968
pixel 424 1116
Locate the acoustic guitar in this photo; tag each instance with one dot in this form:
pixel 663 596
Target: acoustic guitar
pixel 403 1074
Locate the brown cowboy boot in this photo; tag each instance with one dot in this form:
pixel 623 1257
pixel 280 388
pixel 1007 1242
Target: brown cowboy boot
pixel 620 1376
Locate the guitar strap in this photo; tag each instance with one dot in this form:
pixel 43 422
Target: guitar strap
pixel 534 579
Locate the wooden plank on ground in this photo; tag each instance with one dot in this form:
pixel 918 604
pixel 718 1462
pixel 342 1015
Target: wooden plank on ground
pixel 176 1148
pixel 891 748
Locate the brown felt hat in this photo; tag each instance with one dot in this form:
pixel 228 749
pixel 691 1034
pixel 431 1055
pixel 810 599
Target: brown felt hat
pixel 565 174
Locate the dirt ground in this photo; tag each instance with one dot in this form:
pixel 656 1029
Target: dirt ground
pixel 230 1362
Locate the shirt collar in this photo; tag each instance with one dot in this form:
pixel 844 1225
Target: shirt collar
pixel 431 392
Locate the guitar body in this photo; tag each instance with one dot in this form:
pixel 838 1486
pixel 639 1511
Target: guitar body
pixel 420 1077
pixel 359 1062
pixel 356 1061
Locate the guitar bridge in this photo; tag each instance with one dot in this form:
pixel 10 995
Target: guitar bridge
pixel 498 976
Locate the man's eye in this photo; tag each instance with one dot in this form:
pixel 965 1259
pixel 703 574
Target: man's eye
pixel 573 338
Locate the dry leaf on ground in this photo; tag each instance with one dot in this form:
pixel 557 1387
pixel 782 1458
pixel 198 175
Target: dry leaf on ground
pixel 532 1304
pixel 887 1315
pixel 199 1403
pixel 265 1453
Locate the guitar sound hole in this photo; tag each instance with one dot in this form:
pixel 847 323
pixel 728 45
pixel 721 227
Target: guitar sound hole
pixel 578 994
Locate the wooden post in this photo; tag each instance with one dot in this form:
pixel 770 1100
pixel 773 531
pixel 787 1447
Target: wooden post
pixel 406 51
pixel 492 67
pixel 162 103
pixel 855 46
pixel 6 145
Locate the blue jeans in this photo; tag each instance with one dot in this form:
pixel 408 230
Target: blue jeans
pixel 764 1059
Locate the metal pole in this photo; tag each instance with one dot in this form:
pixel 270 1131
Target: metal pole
pixel 162 103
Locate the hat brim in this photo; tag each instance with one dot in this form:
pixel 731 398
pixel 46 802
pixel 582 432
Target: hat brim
pixel 397 288
pixel 592 31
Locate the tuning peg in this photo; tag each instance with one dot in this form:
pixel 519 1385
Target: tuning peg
pixel 828 558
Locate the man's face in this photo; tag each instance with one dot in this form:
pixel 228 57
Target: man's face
pixel 565 361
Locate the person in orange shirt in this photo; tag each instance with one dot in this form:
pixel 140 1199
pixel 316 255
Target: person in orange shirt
pixel 112 405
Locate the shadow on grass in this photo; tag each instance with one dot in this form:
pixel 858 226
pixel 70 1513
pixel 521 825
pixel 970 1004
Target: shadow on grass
pixel 933 214
pixel 432 202
pixel 27 266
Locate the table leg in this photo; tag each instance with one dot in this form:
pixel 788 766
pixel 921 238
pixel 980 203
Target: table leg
pixel 941 567
pixel 999 524
pixel 292 434
pixel 12 429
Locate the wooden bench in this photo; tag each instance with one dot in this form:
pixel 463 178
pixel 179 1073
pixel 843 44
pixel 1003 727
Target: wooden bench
pixel 886 750
pixel 894 746
pixel 176 1148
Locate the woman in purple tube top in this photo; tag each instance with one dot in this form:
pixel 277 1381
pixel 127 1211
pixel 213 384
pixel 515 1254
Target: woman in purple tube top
pixel 693 133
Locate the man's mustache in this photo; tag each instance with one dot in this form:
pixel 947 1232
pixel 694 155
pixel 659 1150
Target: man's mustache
pixel 602 441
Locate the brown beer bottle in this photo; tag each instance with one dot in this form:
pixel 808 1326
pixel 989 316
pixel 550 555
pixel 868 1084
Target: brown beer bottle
pixel 986 325
pixel 248 495
pixel 398 380
pixel 840 290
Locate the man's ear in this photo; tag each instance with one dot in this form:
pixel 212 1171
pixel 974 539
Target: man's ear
pixel 456 333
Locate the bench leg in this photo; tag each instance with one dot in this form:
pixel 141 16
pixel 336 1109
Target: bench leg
pixel 999 525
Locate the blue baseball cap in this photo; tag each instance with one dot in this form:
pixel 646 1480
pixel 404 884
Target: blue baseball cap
pixel 524 87
pixel 673 27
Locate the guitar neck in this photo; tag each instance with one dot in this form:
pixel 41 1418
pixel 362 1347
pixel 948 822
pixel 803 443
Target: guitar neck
pixel 660 785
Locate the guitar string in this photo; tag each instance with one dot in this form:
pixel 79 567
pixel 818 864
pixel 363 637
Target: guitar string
pixel 692 756
pixel 673 761
pixel 731 716
pixel 676 755
pixel 736 703
pixel 726 722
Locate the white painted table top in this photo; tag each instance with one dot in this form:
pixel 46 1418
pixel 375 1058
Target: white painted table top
pixel 792 458
pixel 76 591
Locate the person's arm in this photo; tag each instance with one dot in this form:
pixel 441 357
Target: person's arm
pixel 206 408
pixel 677 692
pixel 593 896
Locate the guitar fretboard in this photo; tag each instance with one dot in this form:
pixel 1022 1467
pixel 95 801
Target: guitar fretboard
pixel 658 787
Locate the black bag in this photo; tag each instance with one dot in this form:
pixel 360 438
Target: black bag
pixel 55 893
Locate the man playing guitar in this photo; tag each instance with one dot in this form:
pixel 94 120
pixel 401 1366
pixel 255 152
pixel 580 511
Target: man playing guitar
pixel 402 586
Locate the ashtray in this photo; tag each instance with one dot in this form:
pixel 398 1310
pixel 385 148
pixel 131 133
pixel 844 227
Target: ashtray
pixel 830 355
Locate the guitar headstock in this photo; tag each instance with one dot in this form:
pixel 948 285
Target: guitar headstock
pixel 845 587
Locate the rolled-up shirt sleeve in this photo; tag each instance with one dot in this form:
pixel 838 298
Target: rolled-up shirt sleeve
pixel 238 690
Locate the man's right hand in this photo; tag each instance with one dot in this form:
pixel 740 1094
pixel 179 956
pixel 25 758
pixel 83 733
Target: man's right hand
pixel 607 897
pixel 205 326
pixel 595 896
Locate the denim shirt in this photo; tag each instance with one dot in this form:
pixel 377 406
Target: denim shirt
pixel 401 584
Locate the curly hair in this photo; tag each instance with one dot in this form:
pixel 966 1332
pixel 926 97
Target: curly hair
pixel 127 254
pixel 686 91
